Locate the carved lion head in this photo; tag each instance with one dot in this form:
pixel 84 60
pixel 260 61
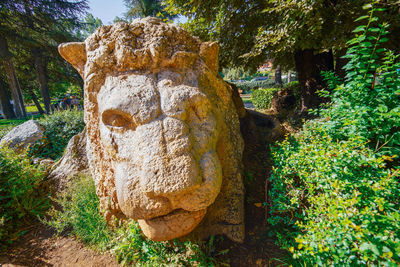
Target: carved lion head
pixel 164 143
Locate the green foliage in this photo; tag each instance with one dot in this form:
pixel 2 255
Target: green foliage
pixel 335 186
pixel 240 73
pixel 144 8
pixel 235 73
pixel 293 86
pixel 33 29
pixel 249 86
pixel 21 194
pixel 80 215
pixel 262 98
pixel 60 127
pixel 132 247
pixel 334 201
pixel 91 23
pixel 367 104
pixel 275 29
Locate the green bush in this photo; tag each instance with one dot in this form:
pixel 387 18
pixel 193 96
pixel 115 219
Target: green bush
pixel 334 202
pixel 22 196
pixel 335 188
pixel 262 98
pixel 60 127
pixel 249 86
pixel 80 216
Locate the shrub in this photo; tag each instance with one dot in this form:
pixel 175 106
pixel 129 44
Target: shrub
pixel 334 201
pixel 262 98
pixel 335 189
pixel 60 127
pixel 249 86
pixel 22 196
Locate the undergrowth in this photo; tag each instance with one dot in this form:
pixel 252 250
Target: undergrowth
pixel 22 196
pixel 335 194
pixel 60 127
pixel 80 216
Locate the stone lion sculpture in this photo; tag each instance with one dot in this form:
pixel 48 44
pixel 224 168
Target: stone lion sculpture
pixel 163 136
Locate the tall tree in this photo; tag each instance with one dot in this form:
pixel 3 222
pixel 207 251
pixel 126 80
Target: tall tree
pixel 6 108
pixel 40 25
pixel 6 57
pixel 90 24
pixel 305 34
pixel 144 8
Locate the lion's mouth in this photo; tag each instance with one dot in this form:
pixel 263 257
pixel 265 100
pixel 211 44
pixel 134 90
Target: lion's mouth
pixel 175 224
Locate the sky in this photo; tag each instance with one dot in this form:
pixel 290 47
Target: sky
pixel 106 10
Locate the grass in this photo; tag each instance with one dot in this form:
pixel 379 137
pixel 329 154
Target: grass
pixel 15 122
pixel 33 108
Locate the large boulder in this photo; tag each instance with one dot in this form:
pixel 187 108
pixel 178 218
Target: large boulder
pixel 73 162
pixel 163 134
pixel 23 135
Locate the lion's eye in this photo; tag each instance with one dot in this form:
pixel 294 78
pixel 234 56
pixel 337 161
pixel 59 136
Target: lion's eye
pixel 117 119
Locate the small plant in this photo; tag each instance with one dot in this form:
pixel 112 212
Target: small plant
pixel 262 98
pixel 60 127
pixel 22 196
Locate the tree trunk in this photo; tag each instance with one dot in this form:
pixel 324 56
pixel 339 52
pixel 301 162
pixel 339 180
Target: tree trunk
pixel 16 93
pixel 42 76
pixel 6 107
pixel 35 100
pixel 278 76
pixel 289 78
pixel 309 67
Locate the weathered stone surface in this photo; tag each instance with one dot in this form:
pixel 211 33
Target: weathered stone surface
pixel 47 163
pixel 163 135
pixel 23 135
pixel 73 161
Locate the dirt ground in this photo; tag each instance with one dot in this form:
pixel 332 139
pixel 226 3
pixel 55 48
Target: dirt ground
pixel 39 246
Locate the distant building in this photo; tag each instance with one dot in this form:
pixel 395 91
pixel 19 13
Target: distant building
pixel 267 66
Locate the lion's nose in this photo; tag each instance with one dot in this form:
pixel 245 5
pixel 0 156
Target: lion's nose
pixel 170 176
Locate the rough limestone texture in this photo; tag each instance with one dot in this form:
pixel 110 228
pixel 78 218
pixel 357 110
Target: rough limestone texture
pixel 73 162
pixel 23 135
pixel 163 135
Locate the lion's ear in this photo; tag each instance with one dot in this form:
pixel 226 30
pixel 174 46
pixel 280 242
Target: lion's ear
pixel 74 53
pixel 209 53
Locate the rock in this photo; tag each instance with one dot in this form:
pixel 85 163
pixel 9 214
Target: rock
pixel 163 134
pixel 43 162
pixel 23 135
pixel 73 162
pixel 237 100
